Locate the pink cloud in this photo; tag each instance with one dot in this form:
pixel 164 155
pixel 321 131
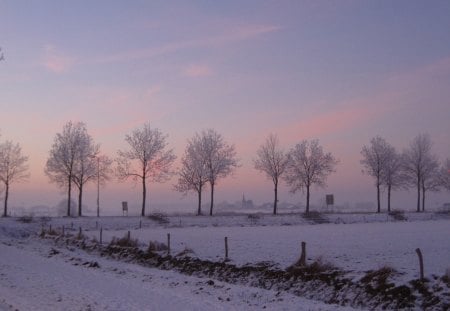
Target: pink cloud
pixel 55 61
pixel 195 71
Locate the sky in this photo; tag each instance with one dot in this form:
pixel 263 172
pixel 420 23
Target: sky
pixel 341 72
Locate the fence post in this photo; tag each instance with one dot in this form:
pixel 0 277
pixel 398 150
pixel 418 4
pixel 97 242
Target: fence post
pixel 79 233
pixel 140 224
pixel 419 253
pixel 226 248
pixel 168 243
pixel 101 235
pixel 50 229
pixel 128 236
pixel 302 261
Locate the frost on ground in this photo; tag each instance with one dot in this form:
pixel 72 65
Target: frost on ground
pixel 53 275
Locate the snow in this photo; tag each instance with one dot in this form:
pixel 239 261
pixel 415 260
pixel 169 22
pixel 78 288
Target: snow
pixel 36 274
pixel 355 248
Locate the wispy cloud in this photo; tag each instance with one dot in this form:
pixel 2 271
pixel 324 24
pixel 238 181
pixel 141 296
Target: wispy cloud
pixel 197 70
pixel 231 35
pixel 55 61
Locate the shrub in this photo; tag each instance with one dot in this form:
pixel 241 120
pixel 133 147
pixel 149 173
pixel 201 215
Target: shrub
pixel 159 218
pixel 185 252
pixel 380 276
pixel 124 242
pixel 25 219
pixel 398 215
pixel 155 246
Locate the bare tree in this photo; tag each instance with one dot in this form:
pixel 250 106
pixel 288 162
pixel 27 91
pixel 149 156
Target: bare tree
pixel 308 165
pixel 219 156
pixel 374 160
pixel 193 174
pixel 146 159
pixel 393 176
pixel 272 161
pixel 64 156
pixel 85 168
pixel 445 174
pixel 431 180
pixel 13 168
pixel 103 174
pixel 415 160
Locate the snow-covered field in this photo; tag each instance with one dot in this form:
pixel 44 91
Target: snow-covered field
pixel 37 275
pixel 353 247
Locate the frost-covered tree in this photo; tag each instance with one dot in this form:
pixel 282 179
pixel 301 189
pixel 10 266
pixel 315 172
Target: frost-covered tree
pixel 13 168
pixel 431 179
pixel 272 161
pixel 416 162
pixel 308 165
pixel 445 174
pixel 220 159
pixel 374 161
pixel 102 174
pixel 84 168
pixel 146 159
pixel 65 155
pixel 193 174
pixel 393 176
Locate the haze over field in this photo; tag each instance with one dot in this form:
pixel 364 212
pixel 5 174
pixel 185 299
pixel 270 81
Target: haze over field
pixel 342 72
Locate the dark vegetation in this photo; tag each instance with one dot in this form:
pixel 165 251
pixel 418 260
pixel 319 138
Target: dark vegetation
pixel 159 218
pixel 318 280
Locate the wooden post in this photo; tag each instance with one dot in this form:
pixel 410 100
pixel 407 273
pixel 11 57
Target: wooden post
pixel 128 236
pixel 50 229
pixel 419 253
pixel 226 248
pixel 79 233
pixel 101 235
pixel 140 224
pixel 302 261
pixel 168 243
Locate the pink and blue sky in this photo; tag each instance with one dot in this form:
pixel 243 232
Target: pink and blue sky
pixel 339 71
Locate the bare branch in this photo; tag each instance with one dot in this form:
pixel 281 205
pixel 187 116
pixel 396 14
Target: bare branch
pixel 13 168
pixel 272 161
pixel 308 165
pixel 146 159
pixel 219 157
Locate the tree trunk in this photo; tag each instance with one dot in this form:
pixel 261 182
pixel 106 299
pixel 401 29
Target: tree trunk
pixel 69 195
pixel 378 198
pixel 307 199
pixel 5 212
pixel 199 211
pixel 276 199
pixel 144 194
pixel 80 200
pixel 423 199
pixel 389 198
pixel 418 196
pixel 212 200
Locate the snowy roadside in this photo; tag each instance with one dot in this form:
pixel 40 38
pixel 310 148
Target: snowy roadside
pixel 35 276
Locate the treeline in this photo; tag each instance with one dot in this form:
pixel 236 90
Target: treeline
pixel 75 159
